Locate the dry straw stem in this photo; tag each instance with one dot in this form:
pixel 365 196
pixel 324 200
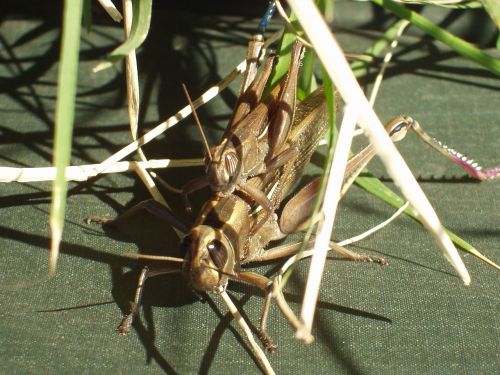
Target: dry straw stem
pixel 254 346
pixel 375 228
pixel 84 172
pixel 387 59
pixel 325 226
pixel 277 285
pixel 132 79
pixel 339 71
pixel 110 8
pixel 183 113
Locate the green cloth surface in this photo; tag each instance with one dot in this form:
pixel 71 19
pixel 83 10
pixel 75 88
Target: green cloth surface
pixel 412 316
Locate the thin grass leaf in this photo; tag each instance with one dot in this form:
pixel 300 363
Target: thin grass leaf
pixel 307 82
pixel 374 186
pixel 87 16
pixel 331 139
pixel 454 4
pixel 377 49
pixel 459 45
pixel 493 9
pixel 140 27
pixel 66 91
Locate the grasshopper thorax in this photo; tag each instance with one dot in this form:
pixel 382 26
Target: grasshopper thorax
pixel 209 258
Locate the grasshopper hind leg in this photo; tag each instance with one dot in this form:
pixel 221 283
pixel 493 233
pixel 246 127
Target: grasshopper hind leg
pixel 263 335
pixel 351 255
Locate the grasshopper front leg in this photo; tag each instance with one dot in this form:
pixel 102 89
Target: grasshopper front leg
pixel 146 272
pixel 174 265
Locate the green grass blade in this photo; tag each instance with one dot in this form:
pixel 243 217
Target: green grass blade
pixel 87 16
pixel 360 68
pixel 460 46
pixel 307 82
pixel 66 90
pixel 456 4
pixel 493 9
pixel 284 52
pixel 141 20
pixel 331 138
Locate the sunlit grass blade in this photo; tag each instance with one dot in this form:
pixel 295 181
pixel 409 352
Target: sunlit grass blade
pixel 307 82
pixel 493 9
pixel 140 27
pixel 87 16
pixel 377 49
pixel 110 8
pixel 459 45
pixel 66 91
pixel 454 4
pixel 374 186
pixel 331 139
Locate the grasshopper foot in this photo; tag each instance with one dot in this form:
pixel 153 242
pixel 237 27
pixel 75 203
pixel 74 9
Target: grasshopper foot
pixel 266 341
pixel 355 256
pixel 374 259
pixel 97 219
pixel 124 327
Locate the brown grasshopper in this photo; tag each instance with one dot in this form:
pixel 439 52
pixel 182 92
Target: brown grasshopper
pixel 220 241
pixel 254 141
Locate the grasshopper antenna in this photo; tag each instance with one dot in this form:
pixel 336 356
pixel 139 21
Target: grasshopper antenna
pixel 197 120
pixel 271 8
pixel 153 257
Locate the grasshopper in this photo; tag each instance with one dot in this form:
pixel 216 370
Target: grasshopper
pixel 254 141
pixel 220 240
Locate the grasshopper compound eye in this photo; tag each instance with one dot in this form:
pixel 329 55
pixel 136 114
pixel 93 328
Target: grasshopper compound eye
pixel 231 162
pixel 218 253
pixel 398 127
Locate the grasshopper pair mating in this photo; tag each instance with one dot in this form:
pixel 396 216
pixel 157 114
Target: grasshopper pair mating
pixel 261 156
pixel 226 235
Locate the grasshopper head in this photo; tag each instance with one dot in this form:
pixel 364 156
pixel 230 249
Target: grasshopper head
pixel 224 169
pixel 209 258
pixel 398 126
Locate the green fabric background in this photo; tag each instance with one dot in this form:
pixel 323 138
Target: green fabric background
pixel 413 316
